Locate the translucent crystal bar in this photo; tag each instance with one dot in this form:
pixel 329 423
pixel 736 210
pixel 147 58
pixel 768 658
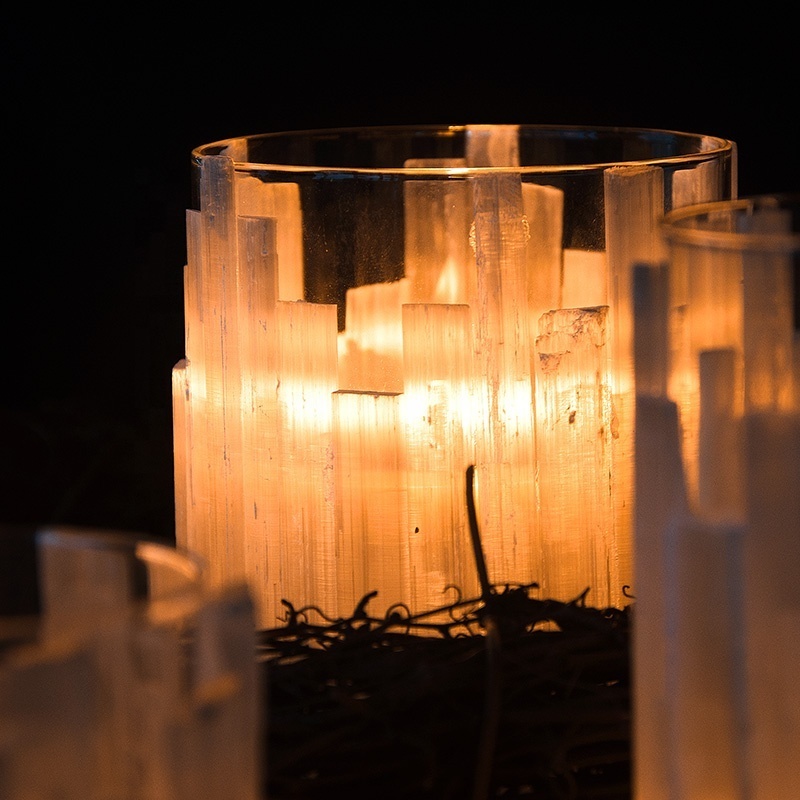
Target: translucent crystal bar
pixel 634 207
pixel 219 300
pixel 660 499
pixel 574 426
pixel 504 452
pixel 371 537
pixel 704 658
pixel 259 277
pixel 308 376
pixel 771 564
pixel 437 260
pixel 439 411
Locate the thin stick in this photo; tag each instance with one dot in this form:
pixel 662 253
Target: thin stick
pixel 491 721
pixel 477 548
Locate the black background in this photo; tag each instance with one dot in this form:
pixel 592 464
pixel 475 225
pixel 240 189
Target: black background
pixel 103 109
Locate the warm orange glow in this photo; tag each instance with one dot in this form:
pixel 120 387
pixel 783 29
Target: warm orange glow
pixel 340 447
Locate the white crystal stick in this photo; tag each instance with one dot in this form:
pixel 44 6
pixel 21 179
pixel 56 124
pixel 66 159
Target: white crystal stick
pixel 280 202
pixel 438 416
pixel 704 658
pixel 371 499
pixel 258 333
pixel 308 375
pixel 219 298
pixel 633 209
pixel 439 265
pixel 506 497
pixel 574 458
pixel 660 497
pixel 772 591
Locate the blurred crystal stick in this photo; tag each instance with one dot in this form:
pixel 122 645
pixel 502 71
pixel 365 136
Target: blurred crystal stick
pixel 704 657
pixel 772 600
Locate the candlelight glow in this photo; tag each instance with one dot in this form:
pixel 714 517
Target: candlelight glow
pixel 324 421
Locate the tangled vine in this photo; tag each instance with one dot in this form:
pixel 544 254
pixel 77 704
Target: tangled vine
pixel 500 696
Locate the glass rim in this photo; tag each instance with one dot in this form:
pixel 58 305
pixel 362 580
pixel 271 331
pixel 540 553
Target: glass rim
pixel 687 226
pixel 707 147
pixel 151 551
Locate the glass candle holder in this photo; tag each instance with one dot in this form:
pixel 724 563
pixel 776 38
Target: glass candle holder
pixel 121 674
pixel 370 313
pixel 717 532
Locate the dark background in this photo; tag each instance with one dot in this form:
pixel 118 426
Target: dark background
pixel 103 111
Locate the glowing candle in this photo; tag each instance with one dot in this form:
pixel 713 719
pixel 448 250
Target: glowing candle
pixel 362 326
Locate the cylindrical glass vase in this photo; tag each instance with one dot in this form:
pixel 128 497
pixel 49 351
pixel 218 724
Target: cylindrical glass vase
pixel 370 312
pixel 717 531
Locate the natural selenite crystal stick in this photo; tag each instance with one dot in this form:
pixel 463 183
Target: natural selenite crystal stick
pixel 371 523
pixel 771 555
pixel 504 452
pixel 307 366
pixel 439 407
pixel 634 207
pixel 704 659
pixel 574 425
